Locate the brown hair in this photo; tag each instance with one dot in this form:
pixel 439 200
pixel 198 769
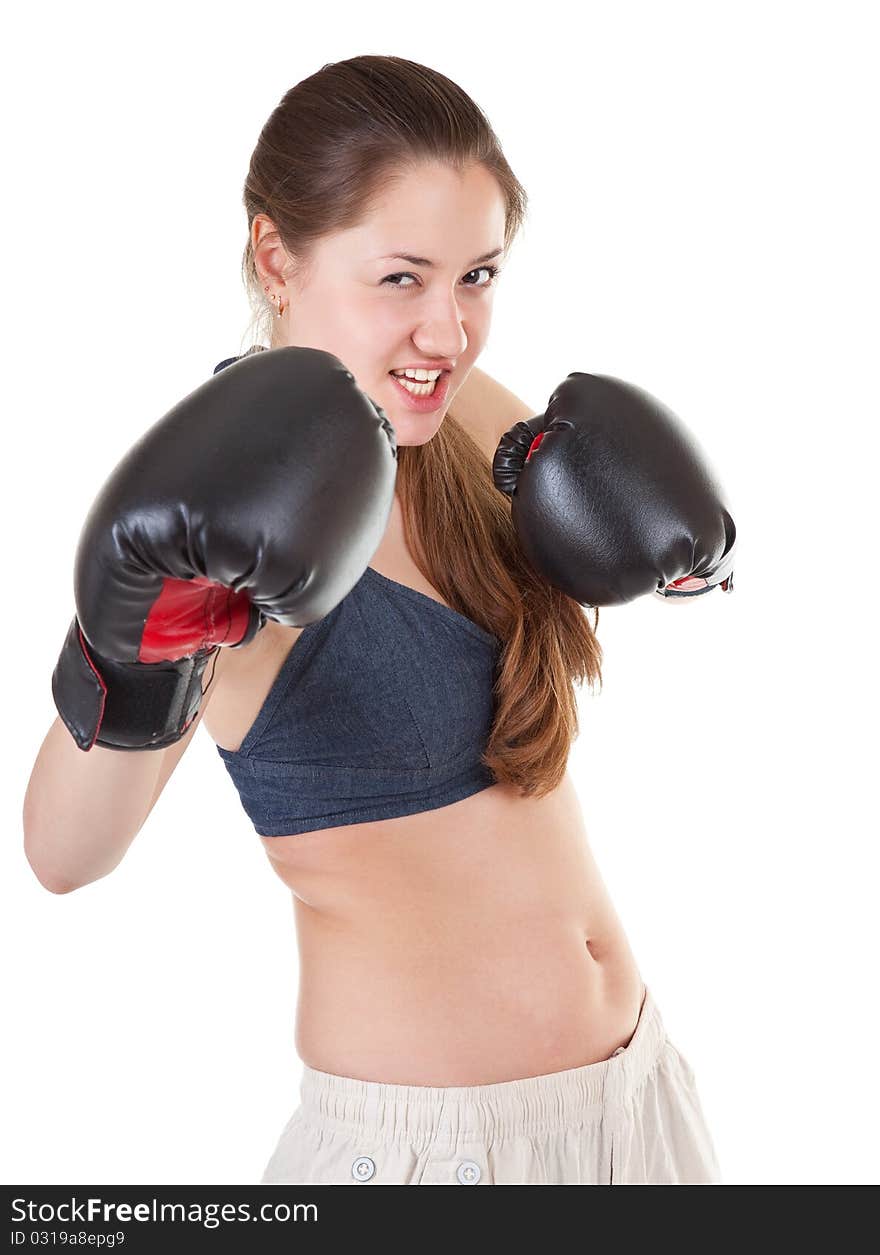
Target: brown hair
pixel 335 141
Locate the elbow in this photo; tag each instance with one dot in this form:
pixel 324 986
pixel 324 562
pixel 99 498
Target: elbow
pixel 56 886
pixel 53 883
pixel 47 877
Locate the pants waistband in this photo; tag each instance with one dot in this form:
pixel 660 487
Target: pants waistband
pixel 533 1104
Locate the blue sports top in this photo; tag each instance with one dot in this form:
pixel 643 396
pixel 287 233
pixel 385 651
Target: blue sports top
pixel 380 709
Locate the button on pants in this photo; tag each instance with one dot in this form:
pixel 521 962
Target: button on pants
pixel 632 1119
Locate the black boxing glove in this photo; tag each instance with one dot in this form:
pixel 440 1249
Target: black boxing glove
pixel 611 498
pixel 261 495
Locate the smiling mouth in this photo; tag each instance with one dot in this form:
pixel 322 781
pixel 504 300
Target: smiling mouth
pixel 418 388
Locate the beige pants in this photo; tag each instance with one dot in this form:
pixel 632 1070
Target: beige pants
pixel 632 1119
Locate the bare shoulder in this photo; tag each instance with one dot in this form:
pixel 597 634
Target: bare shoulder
pixel 488 409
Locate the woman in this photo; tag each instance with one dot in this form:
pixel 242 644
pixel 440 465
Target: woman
pixel 467 997
pixel 469 1008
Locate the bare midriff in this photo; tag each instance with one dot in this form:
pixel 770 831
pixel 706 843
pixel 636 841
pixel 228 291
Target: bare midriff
pixel 467 945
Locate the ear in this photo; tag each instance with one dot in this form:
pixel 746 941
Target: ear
pixel 487 409
pixel 272 260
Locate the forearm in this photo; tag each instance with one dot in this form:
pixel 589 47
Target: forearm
pixel 83 810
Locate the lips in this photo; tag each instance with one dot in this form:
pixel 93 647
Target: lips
pixel 423 404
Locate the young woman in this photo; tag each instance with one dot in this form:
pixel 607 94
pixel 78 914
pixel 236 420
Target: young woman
pixel 470 1010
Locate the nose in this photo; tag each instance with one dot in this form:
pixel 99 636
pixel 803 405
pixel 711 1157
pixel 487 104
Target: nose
pixel 442 333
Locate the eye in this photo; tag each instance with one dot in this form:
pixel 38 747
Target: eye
pixel 492 271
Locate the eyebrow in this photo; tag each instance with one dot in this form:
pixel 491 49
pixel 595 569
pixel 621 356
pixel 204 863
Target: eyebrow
pixel 423 261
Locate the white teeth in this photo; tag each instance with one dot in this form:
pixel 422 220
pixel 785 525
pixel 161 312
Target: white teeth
pixel 421 375
pixel 417 389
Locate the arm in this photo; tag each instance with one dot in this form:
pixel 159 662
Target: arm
pixel 81 812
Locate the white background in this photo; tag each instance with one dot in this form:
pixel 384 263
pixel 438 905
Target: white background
pixel 702 222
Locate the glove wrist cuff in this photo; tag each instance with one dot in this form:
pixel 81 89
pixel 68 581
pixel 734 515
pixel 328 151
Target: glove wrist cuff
pixel 125 705
pixel 513 449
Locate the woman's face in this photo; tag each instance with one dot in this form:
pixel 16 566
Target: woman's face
pixel 377 312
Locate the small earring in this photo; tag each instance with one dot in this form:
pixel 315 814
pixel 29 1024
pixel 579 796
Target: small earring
pixel 280 309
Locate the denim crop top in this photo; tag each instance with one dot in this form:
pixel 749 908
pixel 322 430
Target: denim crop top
pixel 382 708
